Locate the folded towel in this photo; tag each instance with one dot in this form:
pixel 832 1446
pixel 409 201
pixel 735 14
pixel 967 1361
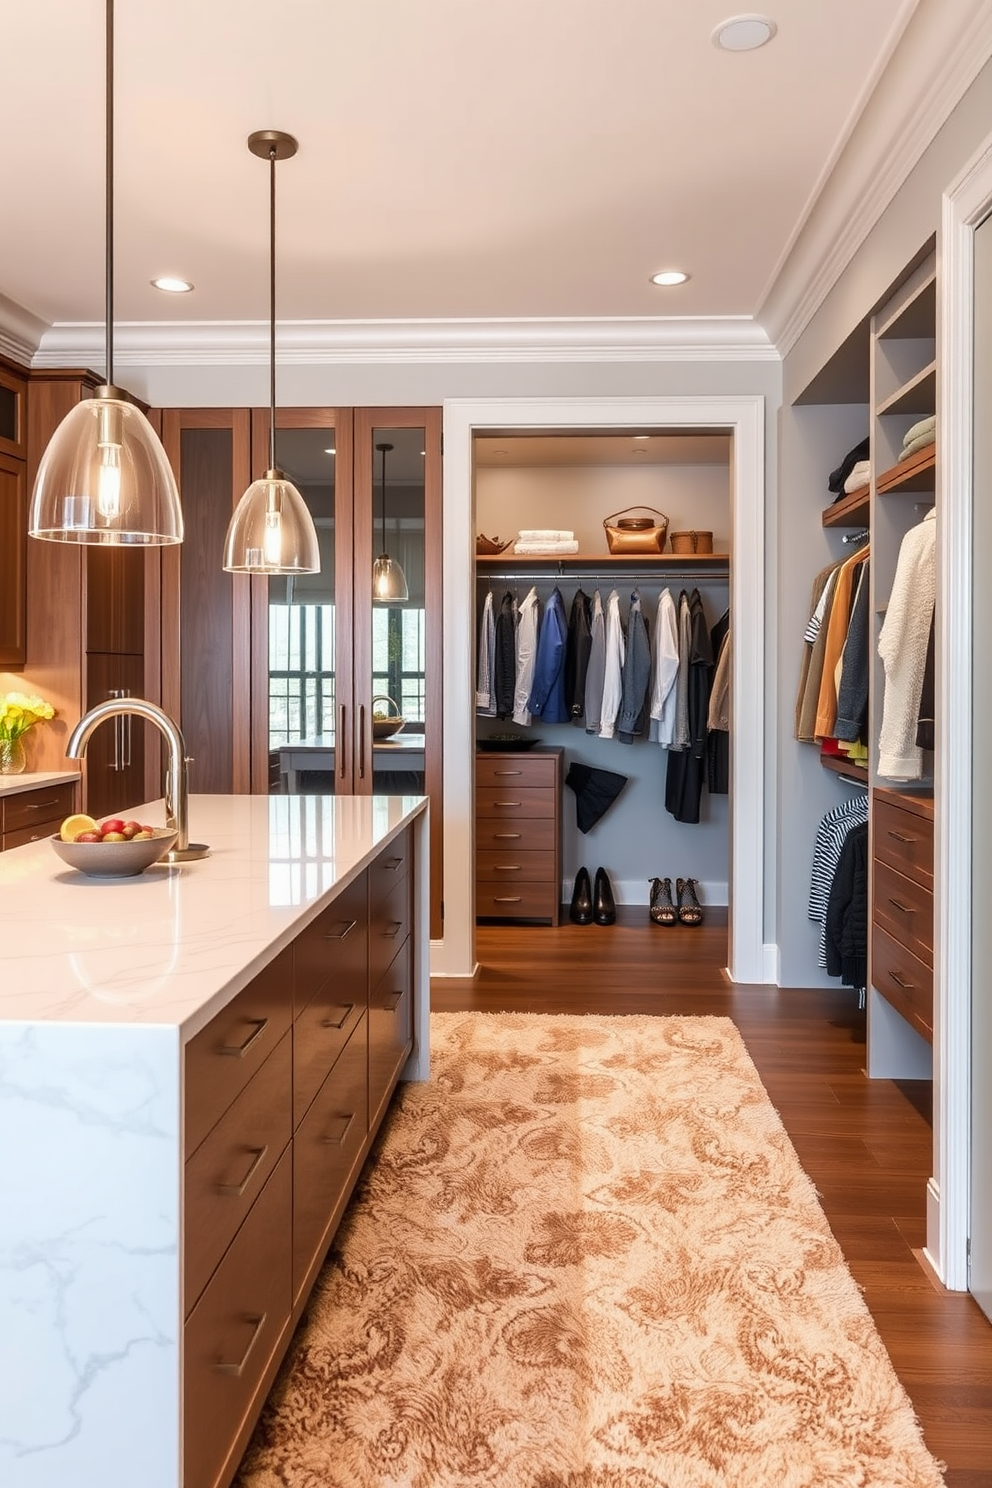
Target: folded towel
pixel 546 547
pixel 922 441
pixel 544 534
pixel 859 476
pixel 924 426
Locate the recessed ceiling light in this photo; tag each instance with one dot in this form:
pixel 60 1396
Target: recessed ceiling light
pixel 669 276
pixel 642 436
pixel 423 452
pixel 172 285
pixel 330 451
pixel 743 33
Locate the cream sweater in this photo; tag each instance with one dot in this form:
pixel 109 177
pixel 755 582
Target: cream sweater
pixel 902 645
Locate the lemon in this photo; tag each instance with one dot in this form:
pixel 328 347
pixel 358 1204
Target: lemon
pixel 73 825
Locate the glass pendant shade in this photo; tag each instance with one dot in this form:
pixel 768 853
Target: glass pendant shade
pixel 389 584
pixel 271 531
pixel 105 478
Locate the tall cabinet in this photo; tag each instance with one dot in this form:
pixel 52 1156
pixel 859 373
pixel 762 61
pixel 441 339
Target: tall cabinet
pixel 13 518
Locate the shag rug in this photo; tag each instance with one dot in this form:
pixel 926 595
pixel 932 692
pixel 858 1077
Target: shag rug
pixel 584 1255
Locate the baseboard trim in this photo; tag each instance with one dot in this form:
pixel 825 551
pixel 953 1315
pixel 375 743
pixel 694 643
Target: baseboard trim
pixel 771 959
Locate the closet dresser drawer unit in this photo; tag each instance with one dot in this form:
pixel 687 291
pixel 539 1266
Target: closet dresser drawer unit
pixel 902 904
pixel 29 815
pixel 518 835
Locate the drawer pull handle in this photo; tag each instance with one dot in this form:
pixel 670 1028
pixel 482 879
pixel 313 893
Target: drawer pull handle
pixel 507 803
pixel 391 864
pixel 906 986
pixel 238 1051
pixel 508 867
pixel 346 1012
pixel 900 837
pixel 41 805
pixel 257 1324
pixel 235 1190
pixel 392 934
pixel 906 909
pixel 508 772
pixel 337 1141
pixel 349 925
pixel 506 899
pixel 393 1002
pixel 507 836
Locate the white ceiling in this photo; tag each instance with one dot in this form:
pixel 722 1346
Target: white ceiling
pixel 458 158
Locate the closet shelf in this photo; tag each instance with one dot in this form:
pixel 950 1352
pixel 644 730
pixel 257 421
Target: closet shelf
pixel 852 511
pixel 917 396
pixel 915 318
pixel 847 768
pixel 913 474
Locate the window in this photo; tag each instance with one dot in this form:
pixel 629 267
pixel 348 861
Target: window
pixel 301 672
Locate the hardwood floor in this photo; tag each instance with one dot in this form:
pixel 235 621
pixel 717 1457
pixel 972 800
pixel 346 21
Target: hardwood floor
pixel 865 1143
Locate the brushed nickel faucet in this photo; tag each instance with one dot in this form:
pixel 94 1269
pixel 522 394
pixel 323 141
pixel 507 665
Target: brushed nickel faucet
pixel 177 777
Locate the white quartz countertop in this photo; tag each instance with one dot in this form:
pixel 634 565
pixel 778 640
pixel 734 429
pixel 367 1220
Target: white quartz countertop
pixel 173 945
pixel 12 785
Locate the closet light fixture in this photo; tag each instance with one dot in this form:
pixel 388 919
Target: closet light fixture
pixel 172 284
pixel 104 477
pixel 389 584
pixel 271 530
pixel 666 277
pixel 744 33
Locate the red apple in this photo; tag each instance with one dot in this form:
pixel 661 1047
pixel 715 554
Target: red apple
pixel 149 830
pixel 143 836
pixel 113 824
pixel 113 837
pixel 131 829
pixel 88 837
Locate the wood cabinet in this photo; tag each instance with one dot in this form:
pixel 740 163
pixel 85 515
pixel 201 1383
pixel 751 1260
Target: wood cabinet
pixel 13 518
pixel 518 834
pixel 902 904
pixel 31 815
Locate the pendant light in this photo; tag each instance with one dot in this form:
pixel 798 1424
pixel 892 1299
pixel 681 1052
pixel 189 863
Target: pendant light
pixel 389 584
pixel 272 531
pixel 104 477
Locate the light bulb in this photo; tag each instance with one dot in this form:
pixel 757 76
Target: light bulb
pixel 272 536
pixel 108 482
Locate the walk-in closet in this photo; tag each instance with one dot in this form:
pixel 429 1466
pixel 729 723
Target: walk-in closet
pixel 589 791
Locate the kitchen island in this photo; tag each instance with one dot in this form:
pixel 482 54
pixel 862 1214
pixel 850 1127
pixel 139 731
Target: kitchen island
pixel 193 1065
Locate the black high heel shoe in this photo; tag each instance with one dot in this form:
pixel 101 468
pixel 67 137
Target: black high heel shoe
pixel 662 910
pixel 580 909
pixel 690 912
pixel 604 907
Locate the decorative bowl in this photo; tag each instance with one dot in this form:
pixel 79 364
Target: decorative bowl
pixel 116 859
pixel 385 725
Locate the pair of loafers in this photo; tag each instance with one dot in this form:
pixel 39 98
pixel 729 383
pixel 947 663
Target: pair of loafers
pixel 592 904
pixel 685 910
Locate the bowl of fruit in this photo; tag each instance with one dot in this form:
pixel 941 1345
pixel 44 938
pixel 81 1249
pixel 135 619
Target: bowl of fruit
pixel 116 848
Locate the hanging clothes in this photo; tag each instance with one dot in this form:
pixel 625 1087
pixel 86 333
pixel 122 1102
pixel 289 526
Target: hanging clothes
pixel 902 645
pixel 852 690
pixel 680 739
pixel 577 654
pixel 505 656
pixel 485 683
pixel 635 676
pixel 547 695
pixel 686 767
pixel 924 727
pixel 596 670
pixel 613 679
pixel 846 920
pixel 664 671
pixel 809 682
pixel 837 628
pixel 828 844
pixel 718 717
pixel 526 642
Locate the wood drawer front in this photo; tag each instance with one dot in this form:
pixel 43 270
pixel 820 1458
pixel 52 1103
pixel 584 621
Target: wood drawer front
pixel 903 840
pixel 232 1332
pixel 333 950
pixel 392 864
pixel 34 809
pixel 224 1056
pixel 39 833
pixel 539 835
pixel 515 803
pixel 514 867
pixel 326 1149
pixel 518 901
pixel 320 1034
pixel 905 909
pixel 389 926
pixel 498 770
pixel 903 979
pixel 229 1169
pixel 390 1030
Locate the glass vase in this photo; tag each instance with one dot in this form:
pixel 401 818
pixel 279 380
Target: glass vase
pixel 12 756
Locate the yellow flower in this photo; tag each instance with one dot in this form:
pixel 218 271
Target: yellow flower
pixel 20 711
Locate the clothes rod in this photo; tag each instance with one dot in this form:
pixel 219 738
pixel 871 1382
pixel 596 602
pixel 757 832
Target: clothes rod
pixel 617 578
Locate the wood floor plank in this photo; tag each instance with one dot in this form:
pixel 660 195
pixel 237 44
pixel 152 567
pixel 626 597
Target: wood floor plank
pixel 865 1144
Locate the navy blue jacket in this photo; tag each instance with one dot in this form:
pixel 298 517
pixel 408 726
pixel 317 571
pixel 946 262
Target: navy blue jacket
pixel 547 693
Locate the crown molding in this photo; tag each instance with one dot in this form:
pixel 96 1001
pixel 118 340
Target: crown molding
pixel 325 342
pixel 932 67
pixel 20 331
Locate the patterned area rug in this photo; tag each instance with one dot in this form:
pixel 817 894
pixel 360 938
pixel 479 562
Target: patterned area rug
pixel 585 1256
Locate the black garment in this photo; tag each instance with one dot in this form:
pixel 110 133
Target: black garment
pixel 924 729
pixel 577 650
pixel 852 694
pixel 846 923
pixel 595 791
pixel 860 451
pixel 686 767
pixel 718 740
pixel 505 658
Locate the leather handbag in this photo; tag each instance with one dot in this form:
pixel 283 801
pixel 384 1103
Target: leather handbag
pixel 626 533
